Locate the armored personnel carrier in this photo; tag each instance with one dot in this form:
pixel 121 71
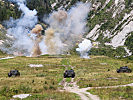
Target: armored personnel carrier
pixel 124 69
pixel 13 73
pixel 69 74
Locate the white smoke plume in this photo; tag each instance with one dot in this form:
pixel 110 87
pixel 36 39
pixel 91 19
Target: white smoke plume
pixel 19 29
pixel 84 47
pixel 68 28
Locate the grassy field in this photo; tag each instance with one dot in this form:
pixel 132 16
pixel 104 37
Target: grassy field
pixel 43 82
pixel 120 93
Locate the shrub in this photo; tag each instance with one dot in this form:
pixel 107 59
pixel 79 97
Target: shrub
pixel 40 75
pixel 109 51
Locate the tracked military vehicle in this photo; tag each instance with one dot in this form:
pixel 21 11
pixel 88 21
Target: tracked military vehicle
pixel 69 74
pixel 124 69
pixel 13 73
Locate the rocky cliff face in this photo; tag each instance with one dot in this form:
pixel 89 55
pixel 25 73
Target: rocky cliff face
pixel 117 27
pixel 109 22
pixel 117 24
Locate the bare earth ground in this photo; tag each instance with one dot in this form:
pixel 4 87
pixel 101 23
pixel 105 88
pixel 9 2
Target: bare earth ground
pixel 84 95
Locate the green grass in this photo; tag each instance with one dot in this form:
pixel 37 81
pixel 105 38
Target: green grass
pixel 43 82
pixel 92 73
pixel 54 95
pixel 120 93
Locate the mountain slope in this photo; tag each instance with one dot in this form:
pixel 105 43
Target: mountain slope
pixel 110 22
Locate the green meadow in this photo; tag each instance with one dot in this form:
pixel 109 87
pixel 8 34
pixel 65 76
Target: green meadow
pixel 43 83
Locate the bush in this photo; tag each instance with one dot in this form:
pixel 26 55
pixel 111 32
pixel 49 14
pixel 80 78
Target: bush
pixel 7 11
pixel 129 42
pixel 52 87
pixel 24 89
pixel 8 92
pixel 40 75
pixel 109 51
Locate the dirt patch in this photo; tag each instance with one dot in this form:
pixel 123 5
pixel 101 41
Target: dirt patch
pixel 82 92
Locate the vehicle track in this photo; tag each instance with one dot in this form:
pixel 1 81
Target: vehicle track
pixel 82 92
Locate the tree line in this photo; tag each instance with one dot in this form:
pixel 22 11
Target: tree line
pixel 7 9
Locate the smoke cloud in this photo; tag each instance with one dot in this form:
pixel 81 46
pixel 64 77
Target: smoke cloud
pixel 84 47
pixel 67 28
pixel 19 28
